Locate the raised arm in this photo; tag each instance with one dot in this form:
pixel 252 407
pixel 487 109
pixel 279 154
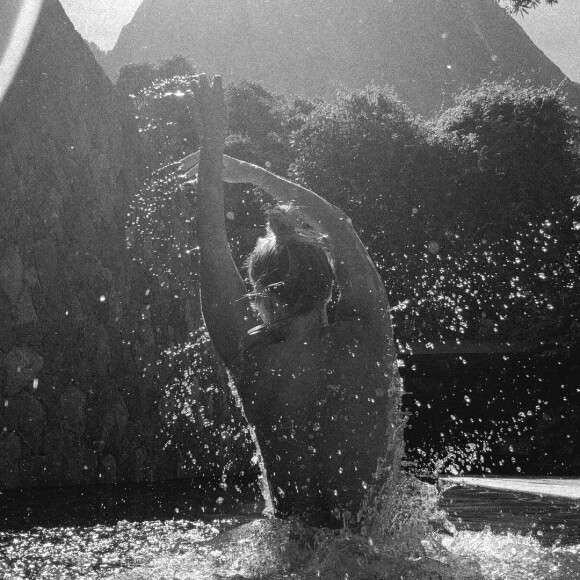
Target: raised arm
pixel 362 292
pixel 224 304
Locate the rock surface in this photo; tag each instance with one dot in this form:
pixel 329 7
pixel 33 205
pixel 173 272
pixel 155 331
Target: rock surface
pixel 82 325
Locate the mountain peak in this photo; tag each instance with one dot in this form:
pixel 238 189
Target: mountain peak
pixel 426 49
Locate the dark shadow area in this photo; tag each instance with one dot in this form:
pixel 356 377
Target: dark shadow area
pixel 501 413
pixel 21 511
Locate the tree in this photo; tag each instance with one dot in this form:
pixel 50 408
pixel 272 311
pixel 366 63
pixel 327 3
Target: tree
pixel 256 126
pixel 137 76
pixel 368 154
pixel 524 6
pixel 134 77
pixel 518 146
pixel 176 65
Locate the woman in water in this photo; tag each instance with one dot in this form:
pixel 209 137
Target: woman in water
pixel 323 399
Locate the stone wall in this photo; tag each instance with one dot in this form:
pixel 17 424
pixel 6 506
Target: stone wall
pixel 82 325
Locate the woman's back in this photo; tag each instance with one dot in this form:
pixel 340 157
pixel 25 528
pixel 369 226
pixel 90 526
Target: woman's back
pixel 320 407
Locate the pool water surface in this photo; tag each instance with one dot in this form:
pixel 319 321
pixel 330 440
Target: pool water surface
pixel 174 531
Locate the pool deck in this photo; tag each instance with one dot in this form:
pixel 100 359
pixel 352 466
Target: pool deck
pixel 548 486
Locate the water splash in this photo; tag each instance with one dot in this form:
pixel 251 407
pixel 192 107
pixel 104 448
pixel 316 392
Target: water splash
pixel 411 539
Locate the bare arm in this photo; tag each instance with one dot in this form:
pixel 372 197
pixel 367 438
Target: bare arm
pixel 361 289
pixel 225 308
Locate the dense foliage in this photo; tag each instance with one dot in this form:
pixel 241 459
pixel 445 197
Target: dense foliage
pixel 392 174
pixel 469 217
pixel 134 77
pixel 518 145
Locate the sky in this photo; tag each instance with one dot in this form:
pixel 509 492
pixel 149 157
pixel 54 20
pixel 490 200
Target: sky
pixel 555 29
pixel 100 21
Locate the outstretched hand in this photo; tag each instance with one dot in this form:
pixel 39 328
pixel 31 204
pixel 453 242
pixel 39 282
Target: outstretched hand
pixel 211 108
pixel 234 170
pixel 189 165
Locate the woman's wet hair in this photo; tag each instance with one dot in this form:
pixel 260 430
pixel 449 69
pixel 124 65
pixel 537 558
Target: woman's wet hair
pixel 291 264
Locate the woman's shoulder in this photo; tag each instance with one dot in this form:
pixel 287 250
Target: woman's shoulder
pixel 357 326
pixel 357 338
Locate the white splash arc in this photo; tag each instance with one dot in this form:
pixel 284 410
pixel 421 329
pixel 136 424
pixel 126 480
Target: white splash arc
pixel 13 53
